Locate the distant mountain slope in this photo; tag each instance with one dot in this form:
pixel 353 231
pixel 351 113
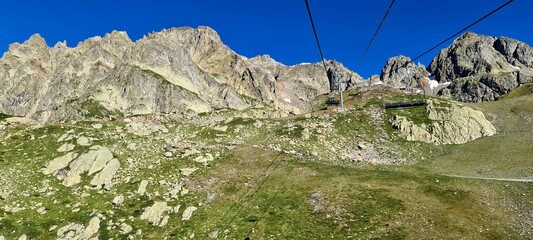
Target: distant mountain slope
pixel 483 68
pixel 174 71
pixel 188 70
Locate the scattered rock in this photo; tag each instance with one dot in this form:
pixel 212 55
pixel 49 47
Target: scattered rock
pixel 83 141
pixel 118 200
pixel 221 128
pixel 41 210
pixel 168 154
pixel 132 146
pixel 213 234
pixel 187 214
pixel 92 228
pixel 4 194
pixel 362 146
pixel 19 120
pixel 258 124
pixel 143 129
pixel 93 161
pixel 97 126
pixel 155 213
pixel 124 228
pixel 101 156
pixel 204 159
pixel 164 221
pixel 69 135
pixel 23 237
pixel 66 147
pixel 79 231
pixel 188 171
pixel 190 152
pixel 59 163
pixel 103 178
pixel 142 187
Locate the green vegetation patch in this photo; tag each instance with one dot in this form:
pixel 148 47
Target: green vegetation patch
pixel 523 90
pixel 93 109
pixel 3 116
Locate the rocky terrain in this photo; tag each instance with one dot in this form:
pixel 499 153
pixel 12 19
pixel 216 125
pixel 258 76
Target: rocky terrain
pixel 483 68
pixel 232 174
pixel 180 70
pixel 175 136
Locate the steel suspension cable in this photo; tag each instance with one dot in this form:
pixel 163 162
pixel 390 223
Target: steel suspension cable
pixel 462 30
pixel 316 37
pixel 376 33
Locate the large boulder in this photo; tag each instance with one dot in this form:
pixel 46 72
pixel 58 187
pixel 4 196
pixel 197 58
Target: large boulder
pixel 447 123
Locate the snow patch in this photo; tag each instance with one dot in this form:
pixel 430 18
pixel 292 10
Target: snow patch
pixel 434 84
pixel 514 67
pixel 287 100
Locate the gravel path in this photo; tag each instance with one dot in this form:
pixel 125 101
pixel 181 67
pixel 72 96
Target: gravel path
pixel 492 179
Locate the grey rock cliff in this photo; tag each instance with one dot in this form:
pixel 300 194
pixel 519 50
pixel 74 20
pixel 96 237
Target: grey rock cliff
pixel 482 68
pixel 181 70
pixel 400 71
pixel 448 123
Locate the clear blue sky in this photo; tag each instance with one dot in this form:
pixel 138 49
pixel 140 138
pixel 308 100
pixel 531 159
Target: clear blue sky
pixel 279 28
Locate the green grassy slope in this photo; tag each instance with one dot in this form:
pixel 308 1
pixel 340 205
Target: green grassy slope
pixel 265 183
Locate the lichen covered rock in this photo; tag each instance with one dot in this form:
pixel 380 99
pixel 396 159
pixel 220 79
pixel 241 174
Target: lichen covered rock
pixel 448 123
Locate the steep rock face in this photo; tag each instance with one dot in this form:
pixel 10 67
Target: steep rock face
pixel 179 70
pixel 337 73
pixel 482 68
pixel 448 123
pixel 400 71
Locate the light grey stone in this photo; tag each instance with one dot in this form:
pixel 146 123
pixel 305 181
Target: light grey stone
pixel 83 141
pixel 155 213
pixel 106 175
pixel 142 187
pixel 66 147
pixel 187 214
pixel 118 200
pixel 59 163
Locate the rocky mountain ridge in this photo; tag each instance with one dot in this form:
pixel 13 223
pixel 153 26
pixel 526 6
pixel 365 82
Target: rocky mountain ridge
pixel 179 70
pixel 187 70
pixel 483 68
pixel 479 68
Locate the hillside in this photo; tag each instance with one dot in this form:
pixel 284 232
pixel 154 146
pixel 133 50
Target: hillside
pixel 230 174
pixel 175 136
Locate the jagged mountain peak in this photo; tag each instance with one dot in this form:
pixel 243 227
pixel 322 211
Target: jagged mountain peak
pixel 400 71
pixel 482 68
pixel 179 70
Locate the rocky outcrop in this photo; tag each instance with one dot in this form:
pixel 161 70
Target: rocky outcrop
pixel 155 214
pixel 483 68
pixel 187 214
pixel 400 71
pixel 76 231
pixel 98 160
pixel 447 123
pixel 181 70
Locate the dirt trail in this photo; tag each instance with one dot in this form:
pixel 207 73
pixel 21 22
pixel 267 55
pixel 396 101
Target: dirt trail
pixel 492 179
